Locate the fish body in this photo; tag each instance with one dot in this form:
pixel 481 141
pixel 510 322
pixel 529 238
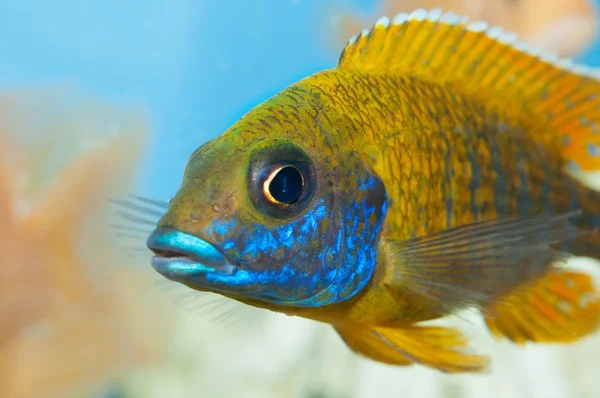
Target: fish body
pixel 426 174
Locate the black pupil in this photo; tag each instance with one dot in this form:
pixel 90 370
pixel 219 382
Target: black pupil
pixel 286 186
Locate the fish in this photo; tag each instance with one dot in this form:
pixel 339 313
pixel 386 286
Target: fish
pixel 432 171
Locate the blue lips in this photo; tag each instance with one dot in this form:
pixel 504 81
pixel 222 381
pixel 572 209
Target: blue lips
pixel 181 255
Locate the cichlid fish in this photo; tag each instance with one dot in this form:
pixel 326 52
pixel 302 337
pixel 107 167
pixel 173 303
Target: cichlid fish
pixel 429 172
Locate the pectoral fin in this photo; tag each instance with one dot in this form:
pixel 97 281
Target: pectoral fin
pixel 474 265
pixel 436 347
pixel 561 307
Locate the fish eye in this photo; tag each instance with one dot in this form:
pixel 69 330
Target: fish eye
pixel 282 181
pixel 284 185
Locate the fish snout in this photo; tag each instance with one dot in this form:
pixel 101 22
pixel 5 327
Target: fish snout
pixel 180 256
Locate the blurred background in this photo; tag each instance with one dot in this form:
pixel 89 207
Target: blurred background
pixel 102 99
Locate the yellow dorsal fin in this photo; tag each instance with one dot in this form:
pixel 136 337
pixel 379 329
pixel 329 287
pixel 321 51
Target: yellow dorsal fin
pixel 446 49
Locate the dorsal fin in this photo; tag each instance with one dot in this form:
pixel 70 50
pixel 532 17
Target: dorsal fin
pixel 446 49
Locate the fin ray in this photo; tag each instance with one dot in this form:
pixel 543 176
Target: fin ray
pixel 475 264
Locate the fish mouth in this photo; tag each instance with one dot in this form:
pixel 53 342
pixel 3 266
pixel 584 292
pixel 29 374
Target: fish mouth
pixel 179 255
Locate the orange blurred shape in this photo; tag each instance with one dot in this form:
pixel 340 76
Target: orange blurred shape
pixel 562 26
pixel 75 313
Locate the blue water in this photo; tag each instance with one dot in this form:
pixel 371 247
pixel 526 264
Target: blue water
pixel 196 65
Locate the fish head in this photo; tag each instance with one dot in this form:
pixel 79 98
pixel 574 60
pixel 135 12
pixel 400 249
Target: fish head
pixel 270 215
